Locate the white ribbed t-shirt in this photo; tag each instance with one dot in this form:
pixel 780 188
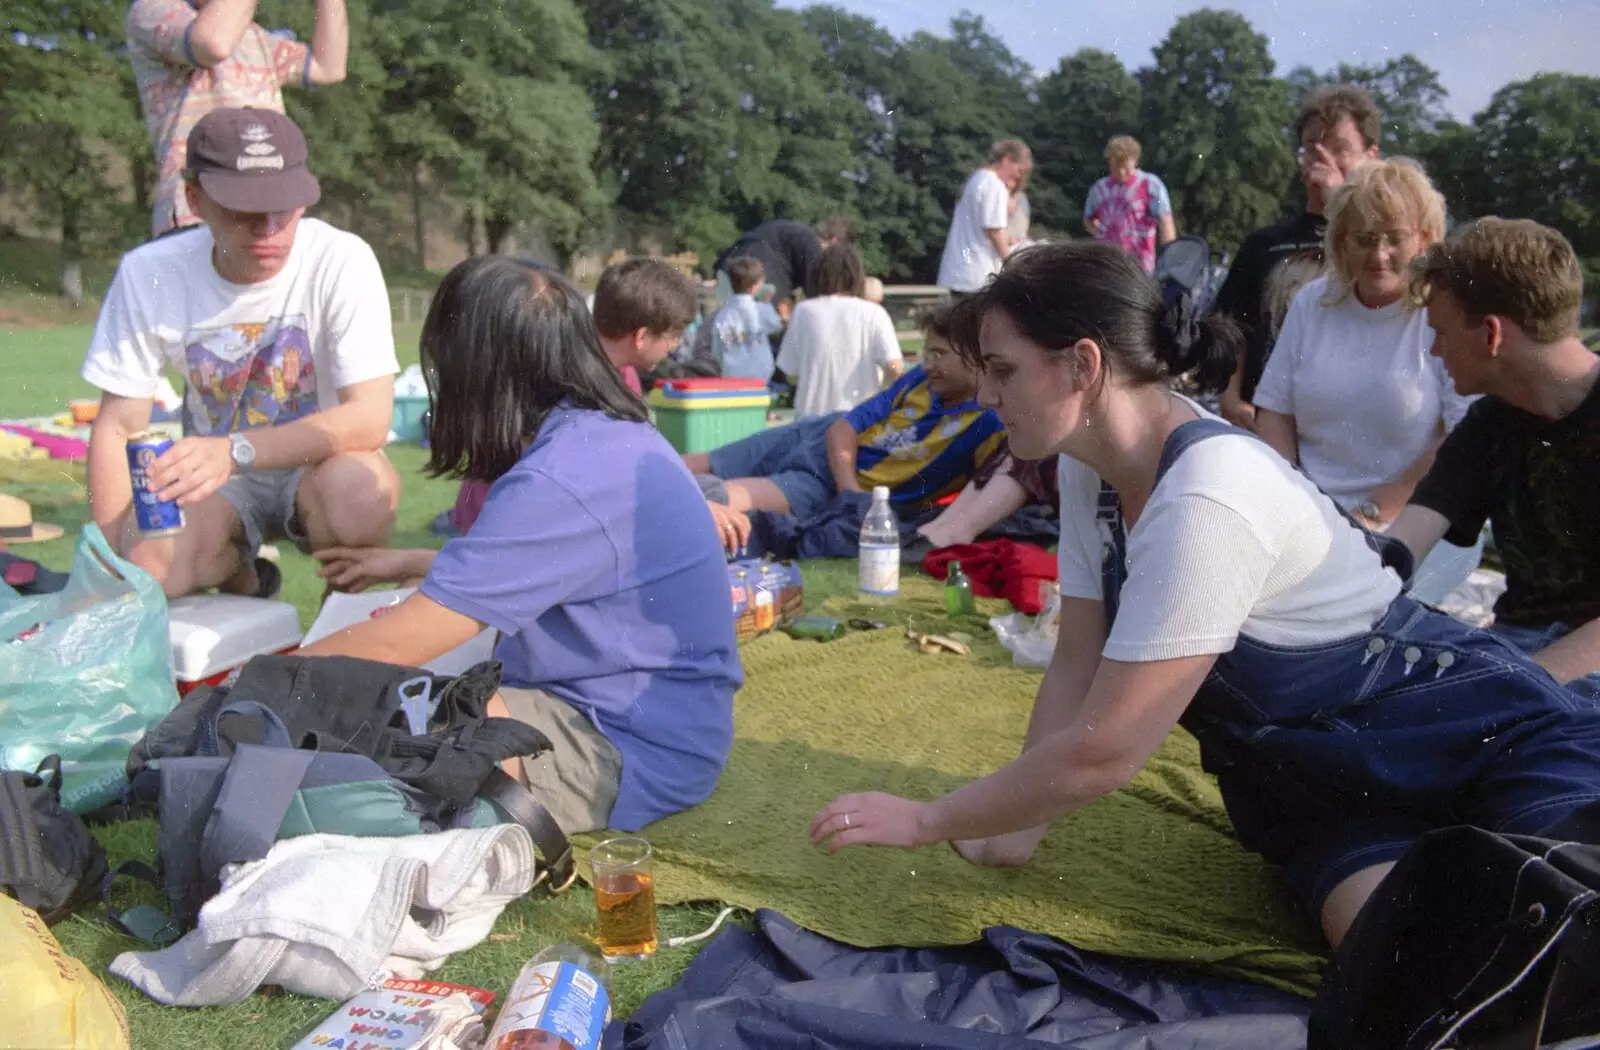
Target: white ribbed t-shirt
pixel 1366 395
pixel 1233 541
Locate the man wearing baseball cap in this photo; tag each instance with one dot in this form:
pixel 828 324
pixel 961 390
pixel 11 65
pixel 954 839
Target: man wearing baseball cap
pixel 279 326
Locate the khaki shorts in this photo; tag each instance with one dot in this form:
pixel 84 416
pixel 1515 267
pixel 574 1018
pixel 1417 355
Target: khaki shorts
pixel 264 500
pixel 577 779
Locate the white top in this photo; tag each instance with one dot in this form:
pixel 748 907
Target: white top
pixel 836 348
pixel 739 334
pixel 1233 541
pixel 969 256
pixel 1364 392
pixel 253 354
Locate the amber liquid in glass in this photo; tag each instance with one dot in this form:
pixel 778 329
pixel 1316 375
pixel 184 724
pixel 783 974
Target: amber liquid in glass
pixel 625 906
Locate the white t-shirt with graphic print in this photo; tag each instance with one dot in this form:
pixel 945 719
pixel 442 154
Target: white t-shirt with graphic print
pixel 1233 541
pixel 252 355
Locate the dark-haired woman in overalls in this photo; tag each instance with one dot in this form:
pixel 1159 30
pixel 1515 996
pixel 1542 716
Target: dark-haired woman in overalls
pixel 1206 582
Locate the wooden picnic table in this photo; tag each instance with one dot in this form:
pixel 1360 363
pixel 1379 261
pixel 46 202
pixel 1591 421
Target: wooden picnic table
pixel 911 301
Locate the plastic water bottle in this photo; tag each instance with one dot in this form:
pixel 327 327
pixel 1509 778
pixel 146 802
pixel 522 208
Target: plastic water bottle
pixel 880 548
pixel 556 1002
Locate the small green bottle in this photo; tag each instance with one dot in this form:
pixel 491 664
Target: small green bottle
pixel 957 592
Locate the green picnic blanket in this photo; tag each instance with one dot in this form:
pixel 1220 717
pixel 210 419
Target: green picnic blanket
pixel 1153 871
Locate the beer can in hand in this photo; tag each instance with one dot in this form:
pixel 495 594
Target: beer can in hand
pixel 153 517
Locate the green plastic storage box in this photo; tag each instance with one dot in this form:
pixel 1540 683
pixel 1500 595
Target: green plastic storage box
pixel 407 420
pixel 700 426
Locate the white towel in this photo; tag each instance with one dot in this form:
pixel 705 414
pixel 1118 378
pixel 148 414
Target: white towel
pixel 323 915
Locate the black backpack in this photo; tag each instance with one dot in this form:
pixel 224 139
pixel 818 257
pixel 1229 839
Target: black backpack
pixel 48 859
pixel 1475 941
pixel 299 744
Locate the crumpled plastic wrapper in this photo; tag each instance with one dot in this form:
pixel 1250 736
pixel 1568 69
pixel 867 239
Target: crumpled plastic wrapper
pixel 1031 639
pixel 454 1023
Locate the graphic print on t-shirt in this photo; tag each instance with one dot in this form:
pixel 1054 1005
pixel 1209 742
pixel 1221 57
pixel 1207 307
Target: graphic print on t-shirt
pixel 250 375
pixel 1128 217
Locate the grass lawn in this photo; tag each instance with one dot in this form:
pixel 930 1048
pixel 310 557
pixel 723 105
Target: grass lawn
pixel 42 364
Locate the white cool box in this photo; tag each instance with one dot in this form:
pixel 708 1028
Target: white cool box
pixel 212 634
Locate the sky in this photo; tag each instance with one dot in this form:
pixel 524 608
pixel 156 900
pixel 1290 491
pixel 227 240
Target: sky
pixel 1477 46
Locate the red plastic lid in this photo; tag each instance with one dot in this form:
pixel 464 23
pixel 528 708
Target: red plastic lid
pixel 713 383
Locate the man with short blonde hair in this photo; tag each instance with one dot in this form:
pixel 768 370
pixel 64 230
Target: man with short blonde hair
pixel 1503 298
pixel 1130 208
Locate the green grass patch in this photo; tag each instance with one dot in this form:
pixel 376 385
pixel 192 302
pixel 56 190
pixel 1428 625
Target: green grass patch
pixel 43 364
pixel 271 1021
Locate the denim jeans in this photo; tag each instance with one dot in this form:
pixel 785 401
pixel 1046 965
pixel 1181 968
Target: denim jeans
pixel 1332 758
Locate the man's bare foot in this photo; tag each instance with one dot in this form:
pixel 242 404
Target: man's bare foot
pixel 943 537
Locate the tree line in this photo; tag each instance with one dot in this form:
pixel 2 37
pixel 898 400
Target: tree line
pixel 695 119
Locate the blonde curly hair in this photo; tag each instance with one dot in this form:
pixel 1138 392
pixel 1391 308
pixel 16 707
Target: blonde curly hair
pixel 1379 193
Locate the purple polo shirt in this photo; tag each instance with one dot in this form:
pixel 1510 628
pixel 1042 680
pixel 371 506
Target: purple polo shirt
pixel 596 559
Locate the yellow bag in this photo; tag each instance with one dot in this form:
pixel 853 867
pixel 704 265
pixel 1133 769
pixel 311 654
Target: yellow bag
pixel 48 999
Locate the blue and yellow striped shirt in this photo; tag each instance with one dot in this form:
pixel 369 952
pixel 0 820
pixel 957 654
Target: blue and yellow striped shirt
pixel 919 447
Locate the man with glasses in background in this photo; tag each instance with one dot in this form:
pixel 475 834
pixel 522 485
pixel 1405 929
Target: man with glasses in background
pixel 1338 128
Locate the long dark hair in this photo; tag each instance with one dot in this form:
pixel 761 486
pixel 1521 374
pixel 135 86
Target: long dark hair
pixel 1057 294
pixel 505 342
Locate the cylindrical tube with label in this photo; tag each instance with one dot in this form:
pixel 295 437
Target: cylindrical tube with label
pixel 555 1002
pixel 154 517
pixel 821 628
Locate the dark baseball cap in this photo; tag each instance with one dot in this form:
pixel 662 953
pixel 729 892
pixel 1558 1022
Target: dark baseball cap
pixel 252 160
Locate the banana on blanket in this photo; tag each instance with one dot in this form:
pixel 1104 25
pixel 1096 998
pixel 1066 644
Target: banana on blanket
pixel 933 643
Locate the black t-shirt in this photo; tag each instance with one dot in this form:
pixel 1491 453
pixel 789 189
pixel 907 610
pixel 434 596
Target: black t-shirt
pixel 1537 482
pixel 786 250
pixel 1243 295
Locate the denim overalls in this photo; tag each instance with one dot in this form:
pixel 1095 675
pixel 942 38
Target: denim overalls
pixel 1332 758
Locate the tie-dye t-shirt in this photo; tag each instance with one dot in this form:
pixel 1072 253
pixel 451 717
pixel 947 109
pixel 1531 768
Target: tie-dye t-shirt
pixel 175 90
pixel 251 355
pixel 1130 213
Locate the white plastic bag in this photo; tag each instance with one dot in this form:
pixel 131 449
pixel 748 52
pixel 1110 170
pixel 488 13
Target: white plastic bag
pixel 1031 639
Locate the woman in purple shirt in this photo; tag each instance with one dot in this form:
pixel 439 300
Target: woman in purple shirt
pixel 592 556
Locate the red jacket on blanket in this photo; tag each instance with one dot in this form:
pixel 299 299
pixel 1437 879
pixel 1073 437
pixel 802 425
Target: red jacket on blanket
pixel 998 569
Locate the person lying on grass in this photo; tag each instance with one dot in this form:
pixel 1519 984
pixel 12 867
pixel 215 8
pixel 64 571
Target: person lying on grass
pixel 1341 718
pixel 593 557
pixel 923 438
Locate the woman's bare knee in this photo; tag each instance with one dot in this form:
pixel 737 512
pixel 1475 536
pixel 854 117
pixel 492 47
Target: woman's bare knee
pixel 1339 911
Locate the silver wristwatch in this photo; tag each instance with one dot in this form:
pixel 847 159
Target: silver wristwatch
pixel 1369 510
pixel 244 453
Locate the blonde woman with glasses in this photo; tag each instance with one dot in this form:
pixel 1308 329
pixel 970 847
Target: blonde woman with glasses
pixel 1351 392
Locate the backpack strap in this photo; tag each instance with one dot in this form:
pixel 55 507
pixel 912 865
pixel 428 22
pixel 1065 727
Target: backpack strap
pixel 145 922
pixel 23 868
pixel 520 804
pixel 274 733
pixel 256 793
pixel 1108 510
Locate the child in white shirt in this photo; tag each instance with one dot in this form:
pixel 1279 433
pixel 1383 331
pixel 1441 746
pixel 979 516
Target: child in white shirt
pixel 741 330
pixel 840 349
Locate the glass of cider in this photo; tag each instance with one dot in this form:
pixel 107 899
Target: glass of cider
pixel 624 897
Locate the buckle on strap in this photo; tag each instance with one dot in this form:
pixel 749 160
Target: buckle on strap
pixel 557 889
pixel 144 922
pixel 526 810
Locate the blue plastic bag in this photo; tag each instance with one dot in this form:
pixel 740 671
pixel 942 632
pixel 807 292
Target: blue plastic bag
pixel 84 672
